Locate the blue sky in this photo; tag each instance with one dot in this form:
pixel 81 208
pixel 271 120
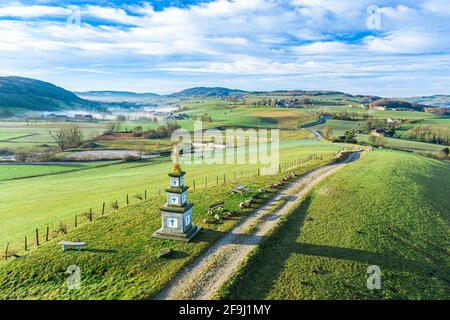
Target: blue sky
pixel 388 48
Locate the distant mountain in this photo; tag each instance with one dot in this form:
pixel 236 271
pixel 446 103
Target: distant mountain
pixel 35 95
pixel 204 92
pixel 436 100
pixel 116 96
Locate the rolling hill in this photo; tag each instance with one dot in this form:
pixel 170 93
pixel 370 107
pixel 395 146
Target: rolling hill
pixel 398 104
pixel 116 96
pixel 205 92
pixel 36 95
pixel 436 100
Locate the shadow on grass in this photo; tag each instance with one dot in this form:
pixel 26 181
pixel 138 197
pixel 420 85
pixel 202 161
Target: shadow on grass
pixel 98 250
pixel 259 276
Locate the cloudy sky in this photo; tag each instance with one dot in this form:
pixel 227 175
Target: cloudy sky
pixel 388 48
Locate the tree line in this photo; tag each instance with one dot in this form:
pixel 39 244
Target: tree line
pixel 437 135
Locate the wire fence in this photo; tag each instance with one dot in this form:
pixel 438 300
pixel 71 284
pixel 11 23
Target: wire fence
pixel 46 233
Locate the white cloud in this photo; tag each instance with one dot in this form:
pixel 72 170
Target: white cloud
pixel 226 39
pixel 437 6
pixel 323 48
pixel 32 11
pixel 408 41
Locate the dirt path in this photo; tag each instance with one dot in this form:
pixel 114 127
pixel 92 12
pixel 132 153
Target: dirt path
pixel 317 134
pixel 202 278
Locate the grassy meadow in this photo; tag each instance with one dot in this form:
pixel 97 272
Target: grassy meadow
pixel 35 135
pixel 121 261
pixel 25 204
pixel 389 209
pixel 15 171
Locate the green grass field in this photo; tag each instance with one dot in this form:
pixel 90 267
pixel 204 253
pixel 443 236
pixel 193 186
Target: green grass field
pixel 25 204
pixel 35 135
pixel 228 114
pixel 121 260
pixel 14 171
pixel 403 144
pixel 389 209
pixel 340 126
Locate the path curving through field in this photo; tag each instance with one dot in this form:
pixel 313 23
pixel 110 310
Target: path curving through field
pixel 204 276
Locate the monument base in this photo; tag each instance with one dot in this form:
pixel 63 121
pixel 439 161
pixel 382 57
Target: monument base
pixel 186 237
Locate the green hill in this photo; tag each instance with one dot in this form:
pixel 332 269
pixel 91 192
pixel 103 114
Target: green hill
pixel 116 96
pixel 389 209
pixel 398 104
pixel 436 100
pixel 204 92
pixel 35 95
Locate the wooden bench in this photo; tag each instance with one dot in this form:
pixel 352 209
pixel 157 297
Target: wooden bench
pixel 67 244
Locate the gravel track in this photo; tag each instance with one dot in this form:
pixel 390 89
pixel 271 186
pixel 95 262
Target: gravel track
pixel 204 276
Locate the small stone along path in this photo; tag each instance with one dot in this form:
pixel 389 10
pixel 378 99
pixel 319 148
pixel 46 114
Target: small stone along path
pixel 204 276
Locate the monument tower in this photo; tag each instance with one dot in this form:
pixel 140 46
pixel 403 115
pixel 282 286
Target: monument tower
pixel 177 212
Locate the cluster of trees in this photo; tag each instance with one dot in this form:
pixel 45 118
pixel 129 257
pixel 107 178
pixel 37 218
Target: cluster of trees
pixel 348 137
pixel 204 118
pixel 389 126
pixel 161 132
pixel 443 154
pixel 328 132
pixel 67 137
pixel 440 135
pixel 377 141
pixel 352 116
pixel 440 111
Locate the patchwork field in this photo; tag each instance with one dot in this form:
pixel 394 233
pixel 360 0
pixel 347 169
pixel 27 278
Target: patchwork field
pixel 389 209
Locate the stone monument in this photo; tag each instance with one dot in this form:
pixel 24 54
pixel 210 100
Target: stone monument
pixel 177 212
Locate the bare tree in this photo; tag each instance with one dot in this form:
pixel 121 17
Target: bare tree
pixel 22 155
pixel 67 137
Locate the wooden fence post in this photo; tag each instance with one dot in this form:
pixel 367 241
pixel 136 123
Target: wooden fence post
pixel 6 252
pixel 224 179
pixel 217 180
pixel 37 237
pixel 128 202
pixel 90 214
pixel 145 194
pixel 206 181
pixel 103 208
pixel 193 183
pixel 46 234
pixel 76 221
pixel 26 243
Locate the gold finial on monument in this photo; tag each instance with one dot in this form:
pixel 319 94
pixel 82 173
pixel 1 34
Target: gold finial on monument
pixel 176 168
